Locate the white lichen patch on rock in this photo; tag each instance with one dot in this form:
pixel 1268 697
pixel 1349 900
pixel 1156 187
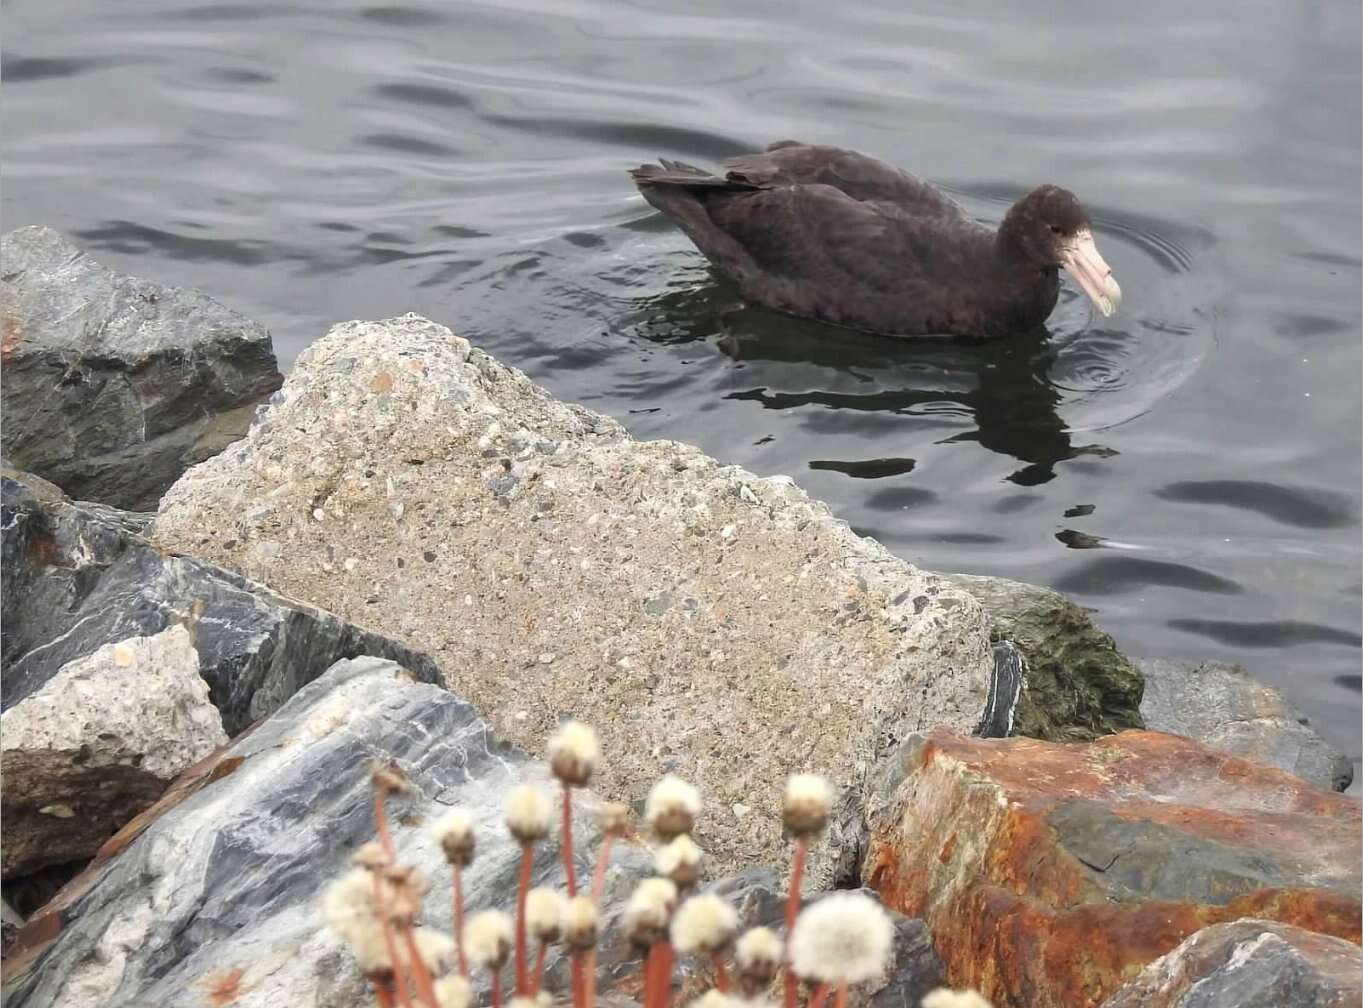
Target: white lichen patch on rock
pixel 703 619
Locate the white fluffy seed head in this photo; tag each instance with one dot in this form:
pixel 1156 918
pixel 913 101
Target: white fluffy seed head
pixel 527 814
pixel 371 856
pixel 453 992
pixel 522 1001
pixel 349 902
pixel 573 751
pixel 437 950
pixel 544 914
pixel 487 939
pixel 758 952
pixel 454 832
pixel 716 999
pixel 672 807
pixel 679 860
pixel 944 998
pixel 648 910
pixel 704 924
pixel 807 802
pixel 613 817
pixel 579 923
pixel 842 939
pixel 371 949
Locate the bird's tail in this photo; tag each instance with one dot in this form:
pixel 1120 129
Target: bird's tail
pixel 678 173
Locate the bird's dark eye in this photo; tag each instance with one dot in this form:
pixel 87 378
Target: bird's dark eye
pixel 1057 230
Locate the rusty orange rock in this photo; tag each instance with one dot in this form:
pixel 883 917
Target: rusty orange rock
pixel 1050 874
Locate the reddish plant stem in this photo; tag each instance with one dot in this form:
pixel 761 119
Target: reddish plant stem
pixel 522 970
pixel 819 996
pixel 569 871
pixel 425 986
pixel 589 979
pixel 840 997
pixel 599 876
pixel 390 946
pixel 721 974
pixel 797 871
pixel 496 988
pixel 538 975
pixel 577 983
pixel 651 977
pixel 459 921
pixel 381 824
pixel 661 955
pixel 383 994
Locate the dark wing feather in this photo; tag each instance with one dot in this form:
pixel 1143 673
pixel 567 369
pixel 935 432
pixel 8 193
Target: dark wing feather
pixel 865 179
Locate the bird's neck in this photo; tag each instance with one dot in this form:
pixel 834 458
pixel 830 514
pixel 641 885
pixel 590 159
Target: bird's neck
pixel 1025 290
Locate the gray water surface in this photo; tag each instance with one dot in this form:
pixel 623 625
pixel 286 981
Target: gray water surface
pixel 1189 468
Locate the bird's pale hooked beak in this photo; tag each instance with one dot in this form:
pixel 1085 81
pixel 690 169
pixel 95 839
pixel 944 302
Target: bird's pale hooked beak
pixel 1080 257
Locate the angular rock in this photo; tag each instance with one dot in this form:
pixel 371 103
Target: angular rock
pixel 216 890
pixel 114 385
pixel 97 744
pixel 705 620
pixel 1222 706
pixel 1250 964
pixel 77 577
pixel 1049 873
pixel 1078 685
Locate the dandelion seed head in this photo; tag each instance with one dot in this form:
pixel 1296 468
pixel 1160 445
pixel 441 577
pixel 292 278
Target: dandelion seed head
pixel 716 999
pixel 648 910
pixel 672 807
pixel 579 922
pixel 808 799
pixel 573 751
pixel 527 814
pixel 371 856
pixel 758 954
pixel 389 778
pixel 704 924
pixel 544 914
pixel 371 948
pixel 437 950
pixel 844 938
pixel 454 832
pixel 453 992
pixel 613 817
pixel 679 860
pixel 487 939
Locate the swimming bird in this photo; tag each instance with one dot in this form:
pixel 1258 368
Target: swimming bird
pixel 842 237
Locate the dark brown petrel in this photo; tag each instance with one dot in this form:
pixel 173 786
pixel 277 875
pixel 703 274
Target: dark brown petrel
pixel 834 235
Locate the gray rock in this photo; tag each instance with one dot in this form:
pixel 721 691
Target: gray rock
pixel 220 884
pixel 77 577
pixel 97 744
pixel 374 488
pixel 1220 705
pixel 114 385
pixel 1078 685
pixel 1249 964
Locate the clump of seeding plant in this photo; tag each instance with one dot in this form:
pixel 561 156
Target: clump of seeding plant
pixel 835 944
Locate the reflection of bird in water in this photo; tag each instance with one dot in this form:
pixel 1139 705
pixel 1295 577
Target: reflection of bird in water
pixel 1003 384
pixel 838 236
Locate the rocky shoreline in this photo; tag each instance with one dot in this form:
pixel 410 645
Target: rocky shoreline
pixel 414 552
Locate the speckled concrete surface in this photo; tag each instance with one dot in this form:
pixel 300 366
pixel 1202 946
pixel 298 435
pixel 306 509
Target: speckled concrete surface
pixel 707 621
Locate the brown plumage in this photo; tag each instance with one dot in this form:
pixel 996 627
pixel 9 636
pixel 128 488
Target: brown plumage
pixel 838 236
